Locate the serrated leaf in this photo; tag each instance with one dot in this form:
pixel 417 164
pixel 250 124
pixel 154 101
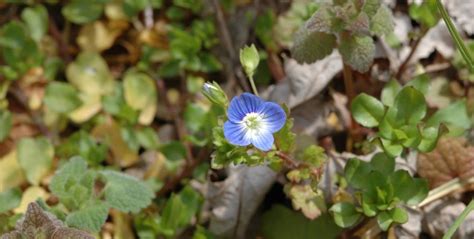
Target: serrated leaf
pixel 371 7
pixel 9 199
pixel 285 138
pixel 5 123
pixel 304 198
pixel 360 24
pixel 38 223
pixel 61 97
pixel 358 52
pixel 345 214
pixel 367 110
pixel 410 105
pixel 126 193
pixel 66 176
pixel 452 158
pixel 310 46
pixel 320 21
pixel 35 157
pixel 36 19
pixel 91 217
pixel 382 22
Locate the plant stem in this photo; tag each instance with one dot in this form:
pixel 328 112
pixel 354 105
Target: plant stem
pixel 349 86
pixel 459 220
pixel 254 88
pixel 456 37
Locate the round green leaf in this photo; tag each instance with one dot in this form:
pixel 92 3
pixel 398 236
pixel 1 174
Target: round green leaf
pixel 367 110
pixel 410 105
pixel 383 163
pixel 345 214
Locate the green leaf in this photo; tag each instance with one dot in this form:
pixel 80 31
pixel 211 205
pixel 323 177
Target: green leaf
pixel 35 157
pixel 179 210
pixel 429 138
pixel 83 144
pixel 139 89
pixel 9 199
pixel 195 117
pixel 91 217
pixel 456 125
pixel 356 172
pixel 18 49
pixel 391 148
pixel 285 138
pixel 399 215
pixel 422 190
pixel 357 51
pixel 421 83
pixel 175 153
pixel 283 223
pixel 382 22
pixel 5 123
pixel 80 11
pixel 314 155
pixel 90 74
pixel 412 136
pixel 345 214
pixel 410 105
pixel 126 193
pixel 425 13
pixel 61 97
pixel 310 46
pixel 367 110
pixel 148 138
pixel 383 163
pixel 36 19
pixel 384 220
pixel 409 190
pixel 70 180
pixel 371 7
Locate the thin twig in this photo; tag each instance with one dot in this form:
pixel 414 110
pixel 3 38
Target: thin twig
pixel 230 48
pixel 407 60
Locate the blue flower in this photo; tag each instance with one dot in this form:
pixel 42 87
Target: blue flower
pixel 252 120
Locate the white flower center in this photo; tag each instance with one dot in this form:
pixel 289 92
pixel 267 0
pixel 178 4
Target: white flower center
pixel 252 121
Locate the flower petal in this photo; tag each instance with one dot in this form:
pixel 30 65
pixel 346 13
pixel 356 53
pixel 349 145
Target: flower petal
pixel 241 105
pixel 263 141
pixel 273 115
pixel 235 134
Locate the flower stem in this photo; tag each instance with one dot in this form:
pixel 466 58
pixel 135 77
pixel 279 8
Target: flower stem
pixel 459 220
pixel 254 88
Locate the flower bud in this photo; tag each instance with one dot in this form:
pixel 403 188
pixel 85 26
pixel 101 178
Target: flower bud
pixel 249 59
pixel 215 94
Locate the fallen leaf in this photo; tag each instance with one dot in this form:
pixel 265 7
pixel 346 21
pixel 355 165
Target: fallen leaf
pixel 30 195
pixel 304 81
pixel 99 36
pixel 304 198
pixel 11 174
pixel 452 158
pixel 235 200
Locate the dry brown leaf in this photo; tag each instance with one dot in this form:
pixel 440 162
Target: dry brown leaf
pixel 452 158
